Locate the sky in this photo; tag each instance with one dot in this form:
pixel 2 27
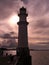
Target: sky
pixel 38 18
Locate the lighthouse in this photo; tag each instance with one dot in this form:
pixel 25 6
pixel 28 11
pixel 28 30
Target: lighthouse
pixel 23 49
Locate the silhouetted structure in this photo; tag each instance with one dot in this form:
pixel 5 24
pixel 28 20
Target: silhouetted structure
pixel 23 55
pixel 23 50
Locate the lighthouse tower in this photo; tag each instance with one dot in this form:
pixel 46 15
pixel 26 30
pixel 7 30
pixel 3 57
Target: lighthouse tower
pixel 23 50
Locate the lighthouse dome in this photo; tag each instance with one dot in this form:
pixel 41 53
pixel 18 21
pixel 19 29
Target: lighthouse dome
pixel 23 10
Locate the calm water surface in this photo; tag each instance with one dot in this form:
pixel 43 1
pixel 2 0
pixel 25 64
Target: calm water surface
pixel 40 57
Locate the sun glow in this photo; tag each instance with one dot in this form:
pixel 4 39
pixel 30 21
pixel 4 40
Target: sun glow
pixel 13 19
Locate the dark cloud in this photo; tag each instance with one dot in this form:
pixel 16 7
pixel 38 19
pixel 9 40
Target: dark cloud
pixel 38 7
pixel 8 40
pixel 35 7
pixel 10 43
pixel 25 1
pixel 42 24
pixel 9 36
pixel 41 32
pixel 7 7
pixel 40 27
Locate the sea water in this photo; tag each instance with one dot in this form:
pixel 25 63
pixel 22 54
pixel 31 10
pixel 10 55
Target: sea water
pixel 40 57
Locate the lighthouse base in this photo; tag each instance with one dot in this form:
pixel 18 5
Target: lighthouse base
pixel 24 61
pixel 24 56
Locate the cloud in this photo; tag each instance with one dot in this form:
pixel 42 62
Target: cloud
pixel 42 24
pixel 9 40
pixel 11 35
pixel 39 38
pixel 39 7
pixel 7 7
pixel 25 1
pixel 39 30
pixel 38 11
pixel 9 43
